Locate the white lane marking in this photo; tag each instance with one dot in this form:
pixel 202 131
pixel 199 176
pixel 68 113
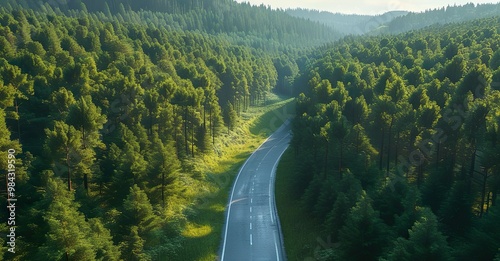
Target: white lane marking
pixel 271 184
pixel 270 205
pixel 251 243
pixel 250 225
pixel 250 209
pixel 232 193
pixel 251 201
pixel 276 247
pixel 231 199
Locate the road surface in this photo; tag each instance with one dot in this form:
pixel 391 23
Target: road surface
pixel 252 230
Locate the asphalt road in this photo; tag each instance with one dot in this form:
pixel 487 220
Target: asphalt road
pixel 252 229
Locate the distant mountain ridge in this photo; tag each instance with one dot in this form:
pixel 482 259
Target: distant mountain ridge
pixel 347 24
pixel 444 15
pixel 395 22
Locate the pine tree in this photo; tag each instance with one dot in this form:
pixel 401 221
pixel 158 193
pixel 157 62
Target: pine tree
pixel 87 118
pixel 163 172
pixel 102 240
pixel 483 241
pixel 364 236
pixel 230 117
pixel 134 247
pixel 137 211
pixel 426 242
pixel 68 236
pixel 456 211
pixel 64 144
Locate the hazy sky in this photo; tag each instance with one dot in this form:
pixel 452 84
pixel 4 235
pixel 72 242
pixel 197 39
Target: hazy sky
pixel 362 6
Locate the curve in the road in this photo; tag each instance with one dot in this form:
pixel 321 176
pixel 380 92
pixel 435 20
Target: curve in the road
pixel 252 230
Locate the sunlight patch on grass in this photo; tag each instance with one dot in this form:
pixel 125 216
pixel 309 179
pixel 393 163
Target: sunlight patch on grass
pixel 217 170
pixel 195 231
pixel 218 207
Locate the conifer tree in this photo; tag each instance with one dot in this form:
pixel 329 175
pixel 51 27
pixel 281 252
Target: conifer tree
pixel 68 236
pixel 364 236
pixel 425 241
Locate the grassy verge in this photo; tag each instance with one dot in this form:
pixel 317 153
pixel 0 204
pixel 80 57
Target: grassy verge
pixel 202 230
pixel 301 234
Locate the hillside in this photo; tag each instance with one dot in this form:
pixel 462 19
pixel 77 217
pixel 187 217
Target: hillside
pixel 347 24
pixel 123 124
pixel 117 128
pixel 449 14
pixel 256 26
pixel 396 22
pixel 395 148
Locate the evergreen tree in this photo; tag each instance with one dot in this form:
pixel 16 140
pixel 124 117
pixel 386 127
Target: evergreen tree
pixel 137 211
pixel 230 117
pixel 68 236
pixel 364 236
pixel 426 242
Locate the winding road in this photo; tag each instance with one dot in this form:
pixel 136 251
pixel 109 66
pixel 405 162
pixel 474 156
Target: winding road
pixel 252 230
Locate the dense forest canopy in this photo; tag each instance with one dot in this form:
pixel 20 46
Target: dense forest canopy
pixel 396 141
pixel 107 114
pixel 109 105
pixel 258 26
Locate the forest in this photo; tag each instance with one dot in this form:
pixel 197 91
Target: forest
pixel 108 117
pixel 110 107
pixel 257 26
pixel 397 21
pixel 395 144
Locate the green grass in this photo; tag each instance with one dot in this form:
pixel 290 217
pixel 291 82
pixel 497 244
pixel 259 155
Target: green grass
pixel 202 230
pixel 302 235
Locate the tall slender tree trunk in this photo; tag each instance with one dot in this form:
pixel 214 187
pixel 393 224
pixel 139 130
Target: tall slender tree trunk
pixel 488 202
pixel 437 154
pixel 69 169
pixel 175 125
pixel 471 171
pixel 396 149
pixel 186 130
pixel 357 142
pixel 483 192
pixel 420 175
pixel 326 160
pixel 163 188
pixel 388 150
pixel 340 157
pixel 18 121
pixel 212 126
pixel 150 123
pixel 86 182
pixel 192 139
pixel 381 150
pixel 204 117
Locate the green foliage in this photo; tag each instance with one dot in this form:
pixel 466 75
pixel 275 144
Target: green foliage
pixel 70 235
pixel 417 132
pixel 230 116
pixel 364 236
pixel 425 241
pixel 119 105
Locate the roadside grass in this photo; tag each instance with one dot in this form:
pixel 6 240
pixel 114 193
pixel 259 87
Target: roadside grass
pixel 202 231
pixel 301 234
